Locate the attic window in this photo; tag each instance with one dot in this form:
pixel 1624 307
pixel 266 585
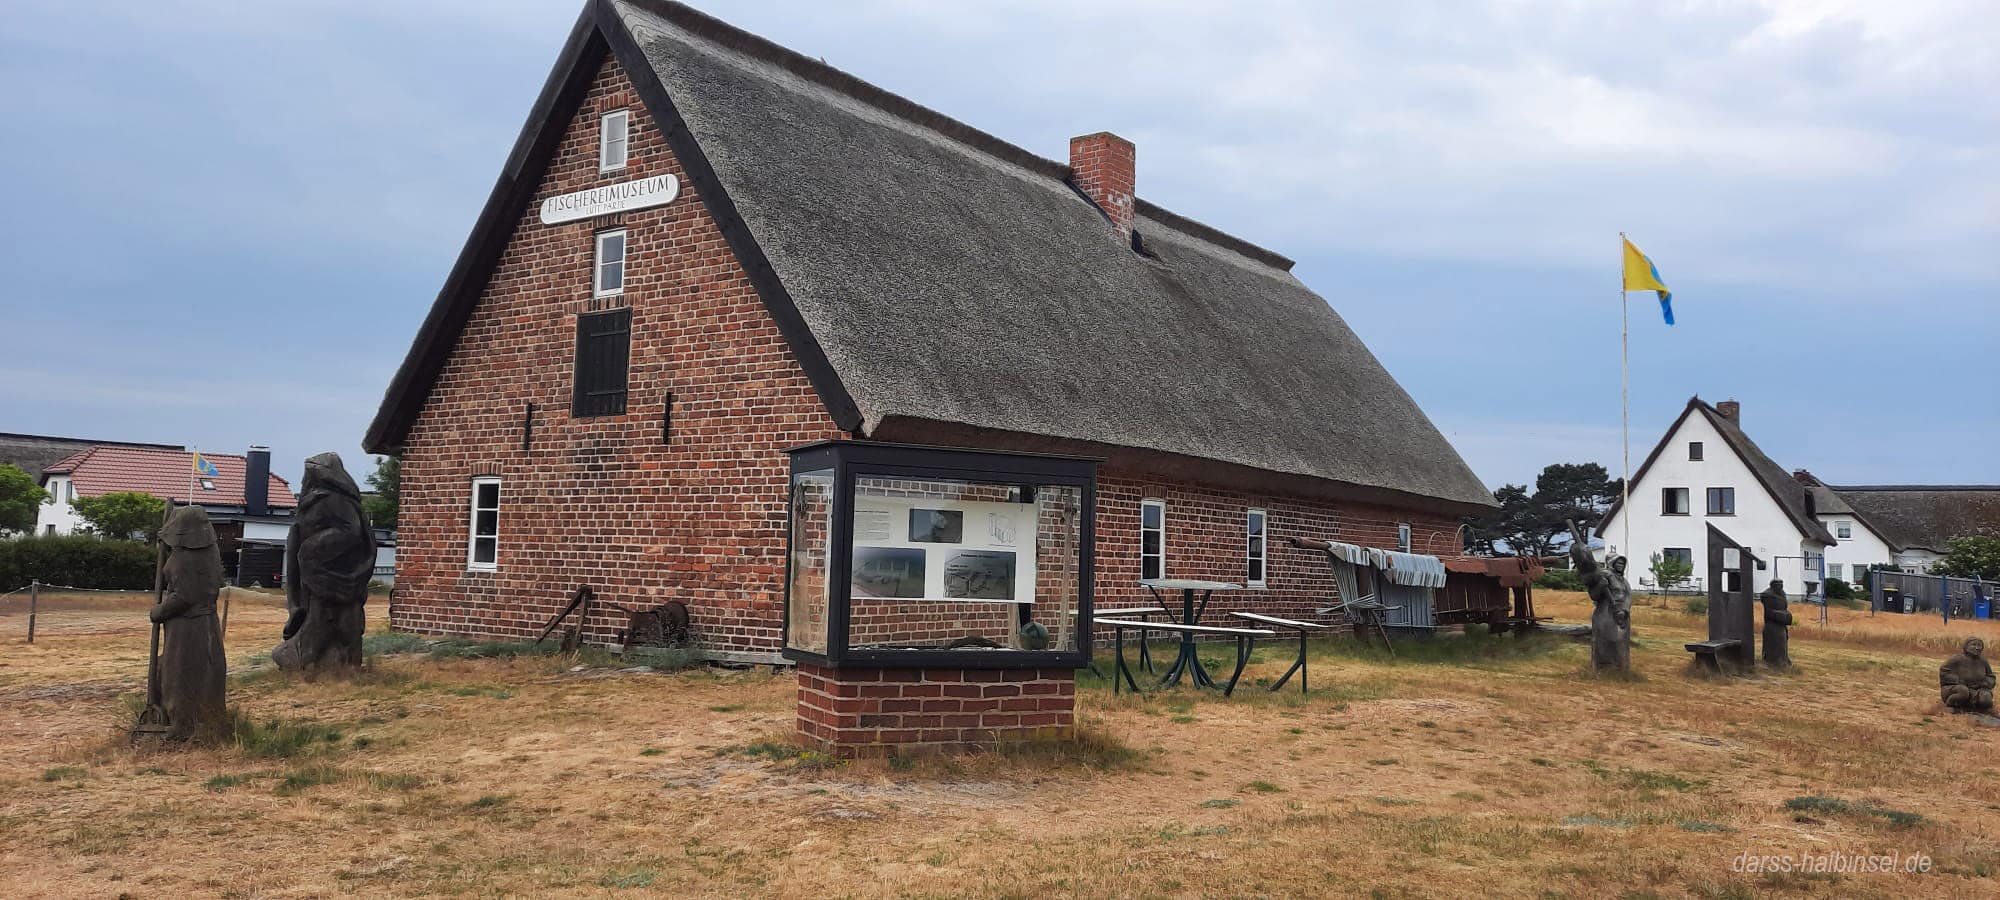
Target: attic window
pixel 208 484
pixel 1694 451
pixel 608 273
pixel 613 140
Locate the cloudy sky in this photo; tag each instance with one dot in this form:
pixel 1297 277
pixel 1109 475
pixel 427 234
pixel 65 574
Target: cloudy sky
pixel 227 219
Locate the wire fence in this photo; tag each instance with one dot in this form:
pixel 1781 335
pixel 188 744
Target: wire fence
pixel 29 602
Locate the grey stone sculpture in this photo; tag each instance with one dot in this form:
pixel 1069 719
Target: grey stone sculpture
pixel 191 668
pixel 1611 619
pixel 1777 625
pixel 1965 681
pixel 329 558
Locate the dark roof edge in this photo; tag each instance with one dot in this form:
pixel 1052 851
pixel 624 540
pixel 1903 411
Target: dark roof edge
pixel 813 70
pixel 819 370
pixel 1912 487
pixel 1210 234
pixel 1640 475
pixel 567 81
pixel 1806 525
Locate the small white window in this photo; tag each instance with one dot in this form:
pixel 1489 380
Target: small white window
pixel 1833 571
pixel 50 529
pixel 1403 538
pixel 613 131
pixel 1153 539
pixel 208 484
pixel 1843 530
pixel 482 550
pixel 1258 544
pixel 608 274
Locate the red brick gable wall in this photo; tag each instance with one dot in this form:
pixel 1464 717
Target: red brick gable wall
pixel 605 502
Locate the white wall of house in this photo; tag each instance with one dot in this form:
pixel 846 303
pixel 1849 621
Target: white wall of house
pixel 59 517
pixel 1759 523
pixel 1916 560
pixel 266 531
pixel 1861 548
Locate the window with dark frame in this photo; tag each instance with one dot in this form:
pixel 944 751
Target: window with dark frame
pixel 1258 547
pixel 1678 554
pixel 1674 501
pixel 603 351
pixel 1843 530
pixel 1694 451
pixel 1403 538
pixel 1153 539
pixel 1722 501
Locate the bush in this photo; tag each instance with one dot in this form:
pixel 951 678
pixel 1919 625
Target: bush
pixel 1698 605
pixel 76 560
pixel 1837 589
pixel 1560 580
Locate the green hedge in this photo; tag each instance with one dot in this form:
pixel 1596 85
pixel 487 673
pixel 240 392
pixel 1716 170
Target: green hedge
pixel 76 560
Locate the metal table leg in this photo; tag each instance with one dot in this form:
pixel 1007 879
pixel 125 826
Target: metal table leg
pixel 1299 666
pixel 1121 673
pixel 1243 643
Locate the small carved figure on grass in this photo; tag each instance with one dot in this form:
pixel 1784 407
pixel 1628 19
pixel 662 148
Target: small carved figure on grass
pixel 1777 625
pixel 191 667
pixel 329 558
pixel 1965 681
pixel 1611 596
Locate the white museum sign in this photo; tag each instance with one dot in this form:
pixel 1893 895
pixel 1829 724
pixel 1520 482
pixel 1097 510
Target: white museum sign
pixel 645 193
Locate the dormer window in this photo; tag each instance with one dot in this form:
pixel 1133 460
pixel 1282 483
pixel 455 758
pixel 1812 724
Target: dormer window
pixel 208 484
pixel 613 137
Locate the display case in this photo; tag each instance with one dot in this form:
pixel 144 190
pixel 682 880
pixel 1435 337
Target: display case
pixel 925 557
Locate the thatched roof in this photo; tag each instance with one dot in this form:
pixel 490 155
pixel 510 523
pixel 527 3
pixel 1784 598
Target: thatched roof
pixel 952 284
pixel 1925 517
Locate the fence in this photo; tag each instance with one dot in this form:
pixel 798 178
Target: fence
pixel 33 600
pixel 1901 592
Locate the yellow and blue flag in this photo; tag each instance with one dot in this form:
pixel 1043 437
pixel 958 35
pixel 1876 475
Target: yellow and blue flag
pixel 204 467
pixel 1642 275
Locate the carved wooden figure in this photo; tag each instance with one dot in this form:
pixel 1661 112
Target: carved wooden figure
pixel 329 559
pixel 1965 681
pixel 1777 625
pixel 192 669
pixel 1611 595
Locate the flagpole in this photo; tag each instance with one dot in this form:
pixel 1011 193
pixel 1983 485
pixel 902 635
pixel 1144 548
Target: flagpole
pixel 1625 397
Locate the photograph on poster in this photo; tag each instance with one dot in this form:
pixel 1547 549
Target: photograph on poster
pixel 937 526
pixel 979 575
pixel 894 572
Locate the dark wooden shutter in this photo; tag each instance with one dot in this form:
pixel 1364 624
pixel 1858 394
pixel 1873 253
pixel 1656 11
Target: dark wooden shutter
pixel 603 349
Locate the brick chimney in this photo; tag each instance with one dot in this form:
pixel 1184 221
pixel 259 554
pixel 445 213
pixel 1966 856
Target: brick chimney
pixel 257 480
pixel 1731 410
pixel 1102 164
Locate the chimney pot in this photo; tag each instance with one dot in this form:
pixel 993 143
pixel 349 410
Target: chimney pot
pixel 1102 165
pixel 1731 410
pixel 257 480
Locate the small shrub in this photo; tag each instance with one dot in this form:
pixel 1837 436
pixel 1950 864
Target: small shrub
pixel 65 773
pixel 1263 787
pixel 221 783
pixel 1836 806
pixel 1697 606
pixel 489 801
pixel 651 751
pixel 1560 580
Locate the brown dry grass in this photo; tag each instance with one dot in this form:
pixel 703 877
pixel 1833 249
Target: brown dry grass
pixel 1468 767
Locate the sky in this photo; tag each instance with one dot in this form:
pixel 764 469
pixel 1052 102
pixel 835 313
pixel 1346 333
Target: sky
pixel 227 220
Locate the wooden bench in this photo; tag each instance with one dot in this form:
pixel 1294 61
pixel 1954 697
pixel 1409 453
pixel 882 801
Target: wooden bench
pixel 1706 653
pixel 1303 628
pixel 1245 637
pixel 1142 613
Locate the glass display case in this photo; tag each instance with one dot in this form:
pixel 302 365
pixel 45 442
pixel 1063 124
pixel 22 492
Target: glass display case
pixel 927 557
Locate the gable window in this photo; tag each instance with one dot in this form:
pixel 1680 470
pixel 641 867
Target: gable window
pixel 482 546
pixel 607 275
pixel 1403 537
pixel 1153 539
pixel 1843 530
pixel 613 135
pixel 1673 501
pixel 1258 545
pixel 1722 501
pixel 1694 451
pixel 603 351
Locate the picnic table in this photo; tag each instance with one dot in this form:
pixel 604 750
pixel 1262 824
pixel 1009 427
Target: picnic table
pixel 1123 675
pixel 1301 628
pixel 1187 663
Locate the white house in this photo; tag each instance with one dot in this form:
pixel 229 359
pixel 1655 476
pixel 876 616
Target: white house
pixel 1908 526
pixel 1707 471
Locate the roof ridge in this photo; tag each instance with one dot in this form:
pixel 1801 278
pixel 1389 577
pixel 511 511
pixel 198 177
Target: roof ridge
pixel 824 74
pixel 1914 487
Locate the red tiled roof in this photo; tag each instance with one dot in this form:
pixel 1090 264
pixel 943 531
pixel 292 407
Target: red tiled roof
pixel 162 473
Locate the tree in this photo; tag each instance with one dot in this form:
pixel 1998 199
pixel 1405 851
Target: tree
pixel 387 480
pixel 122 514
pixel 1971 556
pixel 21 499
pixel 1670 571
pixel 1537 524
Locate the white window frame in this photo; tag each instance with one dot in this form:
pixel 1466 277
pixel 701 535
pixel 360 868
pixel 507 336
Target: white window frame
pixel 1403 541
pixel 623 121
pixel 1844 530
pixel 1256 546
pixel 597 288
pixel 1835 572
pixel 472 534
pixel 1160 505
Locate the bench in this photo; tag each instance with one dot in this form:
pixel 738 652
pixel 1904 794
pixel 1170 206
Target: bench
pixel 1707 653
pixel 1245 637
pixel 1142 613
pixel 1303 628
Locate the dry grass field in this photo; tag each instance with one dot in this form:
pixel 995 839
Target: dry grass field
pixel 1465 766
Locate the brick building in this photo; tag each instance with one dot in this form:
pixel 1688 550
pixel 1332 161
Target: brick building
pixel 706 249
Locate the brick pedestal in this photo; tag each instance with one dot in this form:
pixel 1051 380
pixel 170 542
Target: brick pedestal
pixel 880 712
